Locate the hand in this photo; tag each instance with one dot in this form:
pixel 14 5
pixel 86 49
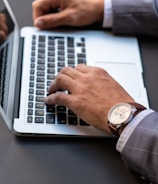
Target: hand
pixel 71 12
pixel 3 27
pixel 92 92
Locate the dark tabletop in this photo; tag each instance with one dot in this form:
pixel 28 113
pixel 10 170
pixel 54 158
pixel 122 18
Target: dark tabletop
pixel 69 160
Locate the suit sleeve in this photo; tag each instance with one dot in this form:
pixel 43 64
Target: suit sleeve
pixel 135 17
pixel 140 152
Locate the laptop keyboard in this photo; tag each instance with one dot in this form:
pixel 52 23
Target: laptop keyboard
pixel 48 56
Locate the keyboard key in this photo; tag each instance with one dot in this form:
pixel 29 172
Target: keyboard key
pixel 51 53
pixel 31 97
pixel 40 86
pixel 40 79
pixel 40 67
pixel 42 62
pixel 30 112
pixel 50 118
pixel 31 91
pixel 32 78
pixel 41 38
pixel 31 84
pixel 39 99
pixel 72 120
pixel 30 104
pixel 29 119
pixel 51 70
pixel 41 50
pixel 61 108
pixel 51 59
pixel 39 92
pixel 61 118
pixel 39 120
pixel 51 109
pixel 39 112
pixel 50 77
pixel 83 123
pixel 39 105
pixel 41 73
pixel 71 113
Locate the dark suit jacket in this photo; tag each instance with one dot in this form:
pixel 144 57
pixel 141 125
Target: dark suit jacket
pixel 135 17
pixel 141 150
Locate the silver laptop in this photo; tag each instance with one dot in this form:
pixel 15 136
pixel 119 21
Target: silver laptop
pixel 30 59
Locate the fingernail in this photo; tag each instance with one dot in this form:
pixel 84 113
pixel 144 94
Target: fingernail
pixel 39 23
pixel 45 99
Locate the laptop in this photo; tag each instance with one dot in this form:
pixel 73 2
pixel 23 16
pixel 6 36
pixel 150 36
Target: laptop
pixel 29 61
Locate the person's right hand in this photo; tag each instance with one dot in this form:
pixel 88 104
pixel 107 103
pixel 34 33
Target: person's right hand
pixel 3 27
pixel 70 12
pixel 92 92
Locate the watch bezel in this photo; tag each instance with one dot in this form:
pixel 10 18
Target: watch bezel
pixel 117 125
pixel 136 108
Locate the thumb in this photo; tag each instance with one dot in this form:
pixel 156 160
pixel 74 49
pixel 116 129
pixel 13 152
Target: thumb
pixel 53 20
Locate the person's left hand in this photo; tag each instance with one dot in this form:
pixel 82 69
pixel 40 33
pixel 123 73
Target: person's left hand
pixel 67 13
pixel 3 27
pixel 92 92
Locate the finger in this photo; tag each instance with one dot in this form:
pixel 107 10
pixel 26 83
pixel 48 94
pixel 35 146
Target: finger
pixel 40 7
pixel 2 17
pixel 3 23
pixel 3 27
pixel 58 98
pixel 52 20
pixel 61 82
pixel 3 36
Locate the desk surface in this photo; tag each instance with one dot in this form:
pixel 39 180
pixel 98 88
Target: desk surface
pixel 66 160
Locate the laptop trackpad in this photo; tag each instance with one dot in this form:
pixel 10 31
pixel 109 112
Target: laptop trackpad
pixel 124 73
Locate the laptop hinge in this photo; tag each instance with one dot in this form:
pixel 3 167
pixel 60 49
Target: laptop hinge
pixel 18 79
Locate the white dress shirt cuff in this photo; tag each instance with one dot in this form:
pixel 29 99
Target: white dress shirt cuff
pixel 130 128
pixel 108 18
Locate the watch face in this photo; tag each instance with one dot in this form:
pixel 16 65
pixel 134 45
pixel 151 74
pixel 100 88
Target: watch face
pixel 119 114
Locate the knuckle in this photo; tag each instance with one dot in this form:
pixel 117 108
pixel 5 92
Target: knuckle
pixel 99 71
pixel 59 78
pixel 65 70
pixel 36 4
pixel 80 66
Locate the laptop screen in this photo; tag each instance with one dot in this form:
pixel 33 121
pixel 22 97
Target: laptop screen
pixel 7 55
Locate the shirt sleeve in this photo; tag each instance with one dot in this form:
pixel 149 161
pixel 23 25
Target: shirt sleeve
pixel 127 132
pixel 108 18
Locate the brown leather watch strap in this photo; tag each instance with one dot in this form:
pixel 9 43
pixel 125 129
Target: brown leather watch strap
pixel 138 106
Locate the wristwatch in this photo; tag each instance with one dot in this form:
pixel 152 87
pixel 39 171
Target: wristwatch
pixel 121 114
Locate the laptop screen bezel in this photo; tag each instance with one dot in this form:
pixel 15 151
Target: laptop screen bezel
pixel 7 115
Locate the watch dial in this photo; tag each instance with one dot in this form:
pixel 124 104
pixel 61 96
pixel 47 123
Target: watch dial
pixel 120 114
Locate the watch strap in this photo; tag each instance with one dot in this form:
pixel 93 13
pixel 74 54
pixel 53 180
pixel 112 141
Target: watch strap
pixel 138 106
